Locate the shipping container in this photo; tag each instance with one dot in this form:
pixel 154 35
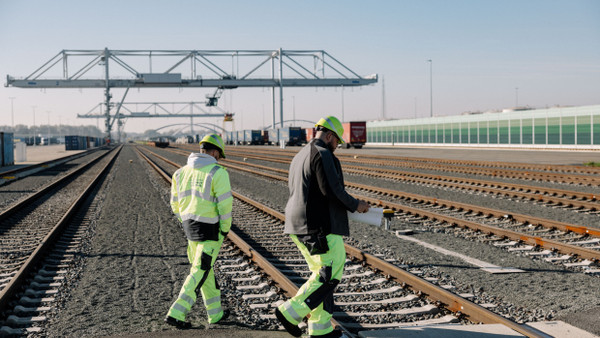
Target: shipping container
pixel 240 137
pixel 302 136
pixel 273 136
pixel 290 136
pixel 252 137
pixel 265 136
pixel 355 134
pixel 232 136
pixel 7 149
pixel 310 133
pixel 72 142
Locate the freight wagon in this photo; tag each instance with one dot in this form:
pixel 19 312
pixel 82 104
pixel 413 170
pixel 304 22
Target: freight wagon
pixel 289 136
pixel 185 139
pixel 253 137
pixel 227 137
pixel 159 142
pixel 355 134
pixel 239 137
pixel 265 136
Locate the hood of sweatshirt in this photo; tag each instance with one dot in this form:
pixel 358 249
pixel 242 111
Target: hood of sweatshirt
pixel 199 160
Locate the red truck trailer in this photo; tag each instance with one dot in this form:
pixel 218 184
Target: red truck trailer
pixel 355 134
pixel 310 133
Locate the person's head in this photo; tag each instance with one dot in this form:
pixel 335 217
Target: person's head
pixel 213 145
pixel 331 131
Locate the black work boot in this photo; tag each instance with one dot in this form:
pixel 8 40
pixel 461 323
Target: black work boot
pixel 226 314
pixel 336 333
pixel 180 324
pixel 292 329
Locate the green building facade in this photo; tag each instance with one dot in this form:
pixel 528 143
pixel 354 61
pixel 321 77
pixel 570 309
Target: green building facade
pixel 560 127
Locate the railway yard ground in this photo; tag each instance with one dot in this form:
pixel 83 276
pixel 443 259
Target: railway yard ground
pixel 129 267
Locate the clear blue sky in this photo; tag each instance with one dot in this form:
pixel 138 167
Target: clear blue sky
pixel 481 51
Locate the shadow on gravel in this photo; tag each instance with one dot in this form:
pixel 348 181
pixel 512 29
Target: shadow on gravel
pixel 122 255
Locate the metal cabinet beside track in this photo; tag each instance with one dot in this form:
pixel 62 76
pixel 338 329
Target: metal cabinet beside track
pixel 7 149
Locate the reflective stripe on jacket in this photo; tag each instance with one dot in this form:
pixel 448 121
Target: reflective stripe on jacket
pixel 201 198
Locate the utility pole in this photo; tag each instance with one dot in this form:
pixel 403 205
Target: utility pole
pixel 383 115
pixel 12 112
pixel 430 87
pixel 48 112
pixel 294 109
pixel 33 128
pixel 281 87
pixel 415 107
pixel 342 104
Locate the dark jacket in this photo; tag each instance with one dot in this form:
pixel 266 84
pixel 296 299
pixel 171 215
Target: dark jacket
pixel 318 202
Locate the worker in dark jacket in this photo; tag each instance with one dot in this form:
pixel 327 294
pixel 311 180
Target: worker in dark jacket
pixel 316 219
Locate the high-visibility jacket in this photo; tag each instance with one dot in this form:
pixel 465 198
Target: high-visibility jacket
pixel 201 198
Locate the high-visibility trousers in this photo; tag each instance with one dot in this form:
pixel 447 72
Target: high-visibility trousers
pixel 316 295
pixel 202 256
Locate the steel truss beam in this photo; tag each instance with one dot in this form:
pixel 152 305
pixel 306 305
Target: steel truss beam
pixel 249 68
pixel 326 70
pixel 153 110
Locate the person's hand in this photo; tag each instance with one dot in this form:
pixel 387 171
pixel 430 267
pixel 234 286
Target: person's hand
pixel 363 206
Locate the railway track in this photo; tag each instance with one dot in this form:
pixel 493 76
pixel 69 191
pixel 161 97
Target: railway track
pixel 29 179
pixel 577 201
pixel 15 174
pixel 487 164
pixel 560 174
pixel 40 234
pixel 374 293
pixel 576 247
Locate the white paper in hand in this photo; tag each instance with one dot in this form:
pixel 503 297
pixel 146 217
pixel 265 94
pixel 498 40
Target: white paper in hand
pixel 372 217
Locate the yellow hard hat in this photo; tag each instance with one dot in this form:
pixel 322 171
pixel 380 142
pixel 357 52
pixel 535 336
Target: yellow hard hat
pixel 333 124
pixel 216 141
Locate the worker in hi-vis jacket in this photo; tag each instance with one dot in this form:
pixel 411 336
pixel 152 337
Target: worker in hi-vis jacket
pixel 316 219
pixel 201 198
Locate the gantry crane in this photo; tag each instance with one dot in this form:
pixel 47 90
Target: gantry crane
pixel 303 68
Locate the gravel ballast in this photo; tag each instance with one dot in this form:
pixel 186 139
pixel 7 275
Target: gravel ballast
pixel 136 261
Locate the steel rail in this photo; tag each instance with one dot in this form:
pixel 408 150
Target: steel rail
pixel 13 173
pixel 284 283
pixel 528 219
pixel 476 184
pixel 288 286
pixel 28 199
pixel 547 223
pixel 488 164
pixel 593 255
pixel 46 164
pixel 14 286
pixel 513 165
pixel 452 302
pixel 567 227
pixel 521 174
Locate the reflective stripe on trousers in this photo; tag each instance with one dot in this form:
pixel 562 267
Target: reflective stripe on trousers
pixel 296 308
pixel 209 289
